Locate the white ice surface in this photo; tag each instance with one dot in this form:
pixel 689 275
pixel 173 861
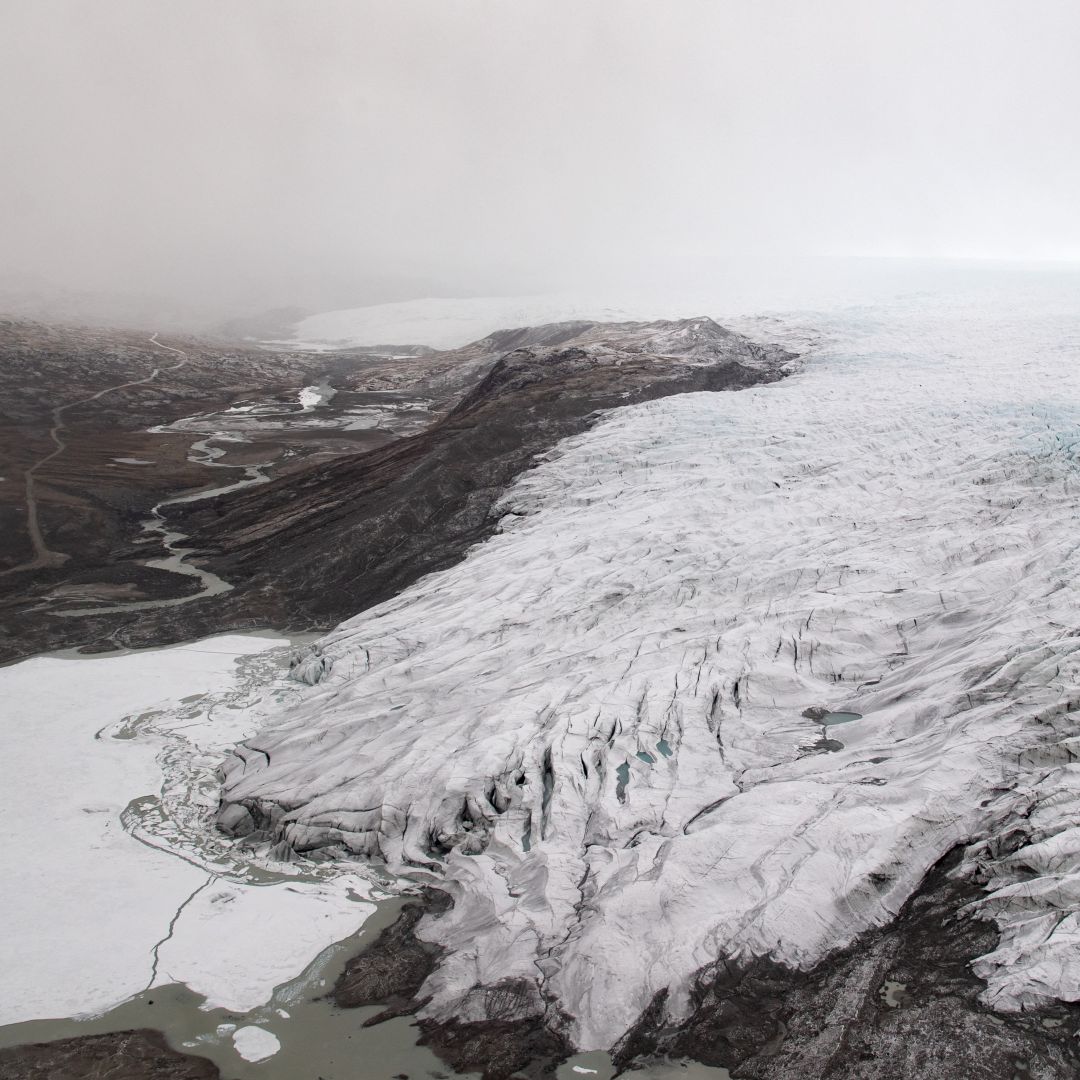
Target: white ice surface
pixel 255 1043
pixel 892 531
pixel 235 943
pixel 447 324
pixel 86 900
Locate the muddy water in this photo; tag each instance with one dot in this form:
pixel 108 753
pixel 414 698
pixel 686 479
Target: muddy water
pixel 317 1039
pixel 596 1065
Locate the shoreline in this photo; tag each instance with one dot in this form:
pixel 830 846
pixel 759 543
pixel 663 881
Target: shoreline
pixel 311 1030
pixel 137 741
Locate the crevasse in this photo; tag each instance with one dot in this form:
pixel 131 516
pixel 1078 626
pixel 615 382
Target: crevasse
pixel 620 677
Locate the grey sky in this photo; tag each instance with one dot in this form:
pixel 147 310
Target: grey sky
pixel 259 150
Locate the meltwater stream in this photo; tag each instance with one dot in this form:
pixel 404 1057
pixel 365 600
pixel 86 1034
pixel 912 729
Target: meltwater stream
pixel 202 453
pixel 218 430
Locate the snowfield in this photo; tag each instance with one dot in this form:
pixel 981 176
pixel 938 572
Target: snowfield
pixel 448 323
pixel 592 731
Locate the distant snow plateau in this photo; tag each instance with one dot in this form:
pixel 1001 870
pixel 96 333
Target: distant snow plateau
pixel 450 323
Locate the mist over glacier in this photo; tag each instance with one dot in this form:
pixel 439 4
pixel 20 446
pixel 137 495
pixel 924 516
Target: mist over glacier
pixel 591 731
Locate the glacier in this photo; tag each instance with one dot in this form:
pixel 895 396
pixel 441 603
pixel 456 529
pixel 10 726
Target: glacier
pixel 604 732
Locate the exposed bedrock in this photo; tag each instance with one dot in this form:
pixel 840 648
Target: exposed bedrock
pixel 391 970
pixel 315 548
pixel 900 1002
pixel 131 1055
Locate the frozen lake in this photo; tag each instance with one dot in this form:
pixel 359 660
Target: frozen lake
pixel 108 788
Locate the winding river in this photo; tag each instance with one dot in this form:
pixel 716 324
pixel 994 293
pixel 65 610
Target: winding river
pixel 175 562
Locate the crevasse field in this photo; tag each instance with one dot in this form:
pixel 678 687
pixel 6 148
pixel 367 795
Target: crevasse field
pixel 593 727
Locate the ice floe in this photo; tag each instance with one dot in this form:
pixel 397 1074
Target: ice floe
pixel 255 1043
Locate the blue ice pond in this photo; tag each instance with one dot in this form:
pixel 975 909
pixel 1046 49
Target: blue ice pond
pixel 840 718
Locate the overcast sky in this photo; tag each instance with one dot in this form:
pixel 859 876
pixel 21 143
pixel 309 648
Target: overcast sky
pixel 307 150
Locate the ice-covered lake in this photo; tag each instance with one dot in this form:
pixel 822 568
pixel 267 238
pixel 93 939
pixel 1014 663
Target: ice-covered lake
pixel 117 884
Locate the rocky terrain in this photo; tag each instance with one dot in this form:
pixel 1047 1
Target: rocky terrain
pixel 100 427
pixel 140 1053
pixel 140 462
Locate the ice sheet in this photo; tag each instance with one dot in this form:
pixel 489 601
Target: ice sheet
pixel 891 532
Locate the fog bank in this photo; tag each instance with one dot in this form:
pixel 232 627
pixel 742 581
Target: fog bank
pixel 245 155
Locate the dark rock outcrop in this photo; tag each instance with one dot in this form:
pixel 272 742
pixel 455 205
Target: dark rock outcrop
pixel 497 1049
pixel 121 1055
pixel 391 970
pixel 901 1002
